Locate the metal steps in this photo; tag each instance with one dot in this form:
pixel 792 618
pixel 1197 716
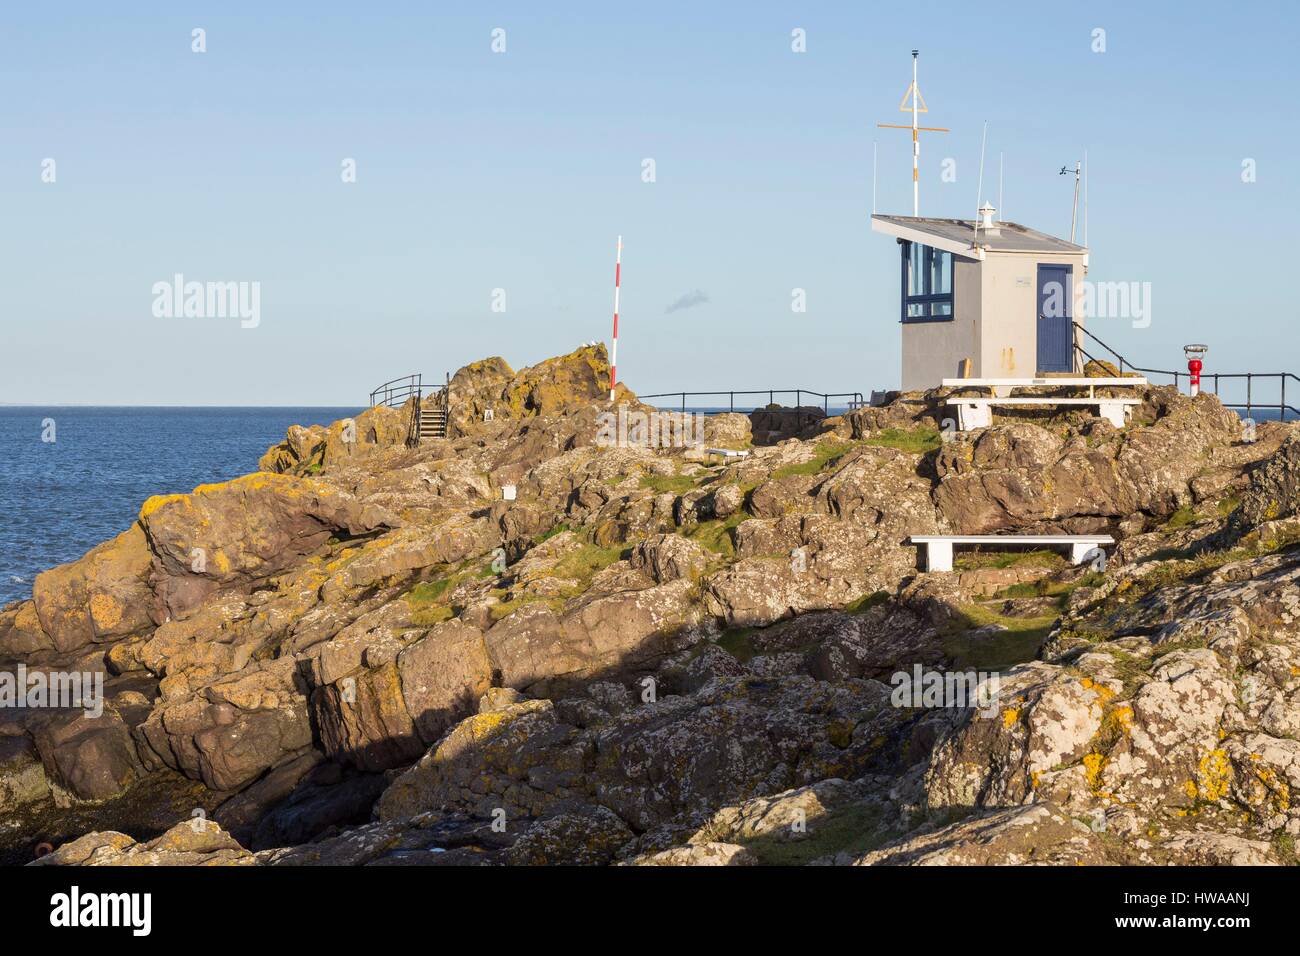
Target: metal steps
pixel 433 423
pixel 425 421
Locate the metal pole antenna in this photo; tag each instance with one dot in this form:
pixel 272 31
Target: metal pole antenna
pixel 613 351
pixel 916 146
pixel 1085 197
pixel 1074 213
pixel 916 106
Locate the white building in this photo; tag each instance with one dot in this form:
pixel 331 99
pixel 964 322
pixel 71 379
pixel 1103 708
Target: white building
pixel 997 303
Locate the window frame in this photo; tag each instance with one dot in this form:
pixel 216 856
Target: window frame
pixel 928 299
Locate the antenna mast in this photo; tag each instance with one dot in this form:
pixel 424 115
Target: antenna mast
pixel 979 189
pixel 1074 210
pixel 917 106
pixel 613 351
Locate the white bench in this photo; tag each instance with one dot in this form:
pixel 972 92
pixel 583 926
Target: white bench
pixel 975 412
pixel 938 547
pixel 978 412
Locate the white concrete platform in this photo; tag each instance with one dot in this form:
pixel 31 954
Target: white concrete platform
pixel 938 547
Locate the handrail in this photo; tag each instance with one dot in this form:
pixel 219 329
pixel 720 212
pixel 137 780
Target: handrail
pixel 855 398
pixel 398 391
pixel 1249 405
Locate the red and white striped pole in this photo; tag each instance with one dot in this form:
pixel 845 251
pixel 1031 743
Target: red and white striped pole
pixel 613 351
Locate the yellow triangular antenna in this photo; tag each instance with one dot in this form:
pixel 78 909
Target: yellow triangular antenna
pixel 906 105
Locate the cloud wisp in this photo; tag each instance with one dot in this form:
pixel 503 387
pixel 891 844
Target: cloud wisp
pixel 689 300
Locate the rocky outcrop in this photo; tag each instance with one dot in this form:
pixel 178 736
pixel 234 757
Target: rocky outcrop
pixel 242 531
pixel 103 596
pixel 1023 475
pixel 196 842
pixel 557 386
pixel 368 653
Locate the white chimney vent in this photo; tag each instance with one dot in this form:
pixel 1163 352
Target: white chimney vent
pixel 986 216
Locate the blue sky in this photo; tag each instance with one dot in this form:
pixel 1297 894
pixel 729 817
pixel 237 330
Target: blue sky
pixel 478 171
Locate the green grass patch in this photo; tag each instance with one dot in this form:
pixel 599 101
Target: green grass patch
pixel 1046 587
pixel 826 455
pixel 1018 643
pixel 1284 848
pixel 676 484
pixel 914 441
pixel 434 614
pixel 867 602
pixel 430 592
pixel 1184 516
pixel 1228 505
pixel 1038 558
pixel 583 563
pixel 715 535
pixel 736 642
pixel 548 535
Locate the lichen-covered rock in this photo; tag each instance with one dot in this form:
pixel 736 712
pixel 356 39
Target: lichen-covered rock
pixel 646 654
pixel 99 597
pixel 234 730
pixel 608 632
pixel 1017 836
pixel 1016 475
pixel 240 531
pixel 670 557
pixel 699 854
pixel 22 777
pixel 194 842
pixel 589 836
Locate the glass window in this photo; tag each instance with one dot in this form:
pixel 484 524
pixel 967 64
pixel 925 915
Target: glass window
pixel 927 283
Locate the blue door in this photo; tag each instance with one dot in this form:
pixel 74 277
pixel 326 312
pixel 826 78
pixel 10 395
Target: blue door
pixel 1055 319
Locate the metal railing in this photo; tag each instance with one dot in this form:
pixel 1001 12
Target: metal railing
pixel 396 393
pixel 854 398
pixel 1250 378
pixel 399 391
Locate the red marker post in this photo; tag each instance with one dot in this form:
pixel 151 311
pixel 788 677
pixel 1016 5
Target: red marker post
pixel 613 349
pixel 1194 365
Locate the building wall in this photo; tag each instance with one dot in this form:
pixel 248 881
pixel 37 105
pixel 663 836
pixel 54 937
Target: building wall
pixel 933 350
pixel 995 321
pixel 1009 306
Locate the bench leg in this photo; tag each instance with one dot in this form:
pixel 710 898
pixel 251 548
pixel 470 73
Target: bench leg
pixel 973 416
pixel 938 556
pixel 1113 412
pixel 1079 551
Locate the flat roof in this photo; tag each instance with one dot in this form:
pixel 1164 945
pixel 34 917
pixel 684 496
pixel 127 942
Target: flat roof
pixel 955 235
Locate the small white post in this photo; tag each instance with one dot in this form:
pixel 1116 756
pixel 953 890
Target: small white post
pixel 938 555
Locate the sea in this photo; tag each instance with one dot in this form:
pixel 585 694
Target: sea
pixel 73 476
